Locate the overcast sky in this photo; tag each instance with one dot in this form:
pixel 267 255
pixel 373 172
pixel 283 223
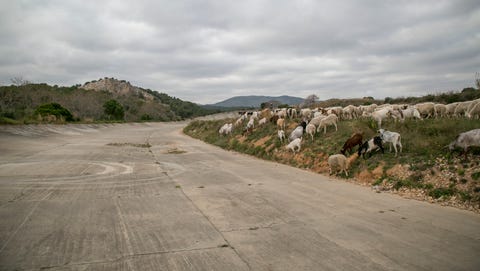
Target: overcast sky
pixel 208 51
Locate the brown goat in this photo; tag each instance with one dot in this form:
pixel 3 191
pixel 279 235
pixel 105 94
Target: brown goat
pixel 354 140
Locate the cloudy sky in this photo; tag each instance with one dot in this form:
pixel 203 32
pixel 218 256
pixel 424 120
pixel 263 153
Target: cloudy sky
pixel 208 51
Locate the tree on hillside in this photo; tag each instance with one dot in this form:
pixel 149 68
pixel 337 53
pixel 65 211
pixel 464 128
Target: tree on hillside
pixel 54 109
pixel 311 100
pixel 113 110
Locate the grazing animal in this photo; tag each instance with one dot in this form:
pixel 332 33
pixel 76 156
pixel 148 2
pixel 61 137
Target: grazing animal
pixel 354 140
pixel 474 111
pixel 427 109
pixel 298 132
pixel 393 138
pixel 296 143
pixel 310 130
pixel 281 123
pixel 381 114
pixel 329 120
pixel 274 119
pixel 251 123
pixel 226 129
pixel 281 135
pixel 374 143
pixel 262 121
pixel 466 140
pixel 411 112
pixel 338 161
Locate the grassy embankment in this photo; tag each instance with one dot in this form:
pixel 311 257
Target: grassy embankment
pixel 424 170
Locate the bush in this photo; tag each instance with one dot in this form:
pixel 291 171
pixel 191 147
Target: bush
pixel 113 110
pixel 54 109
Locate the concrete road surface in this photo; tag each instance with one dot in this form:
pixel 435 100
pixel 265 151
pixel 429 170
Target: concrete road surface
pixel 147 197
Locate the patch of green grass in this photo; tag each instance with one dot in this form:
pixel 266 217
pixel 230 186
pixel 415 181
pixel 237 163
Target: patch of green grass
pixel 475 175
pixel 442 192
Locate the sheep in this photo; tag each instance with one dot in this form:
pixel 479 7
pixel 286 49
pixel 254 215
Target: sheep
pixel 316 120
pixel 461 108
pixel 450 112
pixel 298 132
pixel 338 161
pixel 426 109
pixel 411 112
pixel 374 143
pixel 262 121
pixel 474 112
pixel 466 140
pixel 296 143
pixel 281 123
pixel 281 135
pixel 393 138
pixel 354 140
pixel 440 110
pixel 310 130
pixel 329 120
pixel 306 113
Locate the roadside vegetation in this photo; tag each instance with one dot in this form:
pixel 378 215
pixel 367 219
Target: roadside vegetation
pixel 425 170
pixel 20 104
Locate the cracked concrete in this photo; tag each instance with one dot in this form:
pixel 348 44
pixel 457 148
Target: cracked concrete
pixel 72 199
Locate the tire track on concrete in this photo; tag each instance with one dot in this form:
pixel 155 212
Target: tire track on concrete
pixel 123 228
pixel 26 219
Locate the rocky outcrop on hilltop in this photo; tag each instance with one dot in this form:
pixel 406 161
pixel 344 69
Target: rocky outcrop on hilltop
pixel 117 87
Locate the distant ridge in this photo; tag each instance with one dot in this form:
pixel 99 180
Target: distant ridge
pixel 255 101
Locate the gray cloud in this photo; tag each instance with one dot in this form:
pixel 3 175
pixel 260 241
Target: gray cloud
pixel 207 51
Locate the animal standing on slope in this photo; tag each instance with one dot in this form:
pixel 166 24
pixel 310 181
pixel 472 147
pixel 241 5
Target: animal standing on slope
pixel 354 140
pixel 298 132
pixel 374 143
pixel 338 161
pixel 329 120
pixel 281 135
pixel 393 138
pixel 296 143
pixel 466 140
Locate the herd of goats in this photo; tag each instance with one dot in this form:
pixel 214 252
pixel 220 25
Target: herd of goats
pixel 314 120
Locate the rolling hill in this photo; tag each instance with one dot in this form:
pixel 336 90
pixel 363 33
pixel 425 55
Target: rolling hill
pixel 255 101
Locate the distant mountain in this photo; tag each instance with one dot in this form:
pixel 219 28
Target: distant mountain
pixel 255 101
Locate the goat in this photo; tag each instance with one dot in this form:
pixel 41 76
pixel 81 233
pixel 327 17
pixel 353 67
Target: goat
pixel 392 137
pixel 466 140
pixel 226 129
pixel 262 121
pixel 296 143
pixel 310 130
pixel 354 140
pixel 370 145
pixel 281 135
pixel 298 132
pixel 281 123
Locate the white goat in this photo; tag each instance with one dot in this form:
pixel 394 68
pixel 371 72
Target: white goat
pixel 226 129
pixel 392 137
pixel 466 140
pixel 296 143
pixel 262 121
pixel 338 161
pixel 251 123
pixel 281 135
pixel 310 130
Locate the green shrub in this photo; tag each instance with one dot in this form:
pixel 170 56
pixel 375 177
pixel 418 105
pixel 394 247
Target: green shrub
pixel 54 109
pixel 442 192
